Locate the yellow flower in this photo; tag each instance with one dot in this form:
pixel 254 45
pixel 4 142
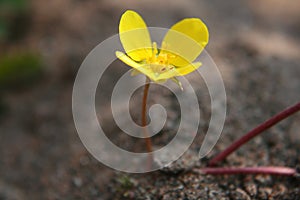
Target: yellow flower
pixel 181 45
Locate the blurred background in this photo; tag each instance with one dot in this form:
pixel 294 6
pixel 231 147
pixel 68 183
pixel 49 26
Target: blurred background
pixel 256 45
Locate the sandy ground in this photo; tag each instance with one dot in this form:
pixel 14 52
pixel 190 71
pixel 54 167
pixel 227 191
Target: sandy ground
pixel 256 46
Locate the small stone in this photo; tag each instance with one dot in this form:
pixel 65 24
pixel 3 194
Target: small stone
pixel 264 192
pixel 251 189
pixel 77 181
pixel 242 194
pixel 279 189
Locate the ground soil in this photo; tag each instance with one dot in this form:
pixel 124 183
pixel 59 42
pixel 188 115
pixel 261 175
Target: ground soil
pixel 256 46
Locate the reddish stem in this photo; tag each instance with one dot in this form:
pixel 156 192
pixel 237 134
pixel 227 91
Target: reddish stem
pixel 283 171
pixel 259 129
pixel 144 124
pixel 144 118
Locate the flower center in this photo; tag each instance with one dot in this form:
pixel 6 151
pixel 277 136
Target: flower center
pixel 159 62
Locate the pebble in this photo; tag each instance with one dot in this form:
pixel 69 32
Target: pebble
pixel 251 189
pixel 77 181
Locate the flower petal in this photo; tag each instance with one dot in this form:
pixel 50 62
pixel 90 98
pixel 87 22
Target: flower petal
pixel 127 60
pixel 185 40
pixel 166 75
pixel 188 69
pixel 147 69
pixel 135 36
pixel 135 72
pixel 142 68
